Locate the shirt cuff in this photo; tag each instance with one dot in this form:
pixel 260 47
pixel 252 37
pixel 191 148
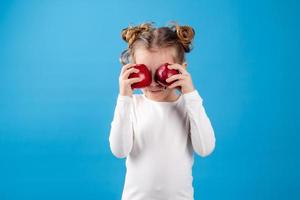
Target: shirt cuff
pixel 192 96
pixel 124 98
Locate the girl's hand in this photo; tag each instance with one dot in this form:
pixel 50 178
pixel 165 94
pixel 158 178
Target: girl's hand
pixel 183 79
pixel 124 82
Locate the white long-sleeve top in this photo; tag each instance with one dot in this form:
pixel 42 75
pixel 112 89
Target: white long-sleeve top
pixel 158 140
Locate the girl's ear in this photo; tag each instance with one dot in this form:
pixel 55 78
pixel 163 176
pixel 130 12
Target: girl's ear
pixel 184 64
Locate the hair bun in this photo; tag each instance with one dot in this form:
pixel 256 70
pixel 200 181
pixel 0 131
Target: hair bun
pixel 131 33
pixel 185 35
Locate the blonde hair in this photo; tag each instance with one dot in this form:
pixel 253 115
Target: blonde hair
pixel 145 34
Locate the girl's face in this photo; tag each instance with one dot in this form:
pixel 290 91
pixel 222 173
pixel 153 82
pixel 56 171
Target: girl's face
pixel 154 59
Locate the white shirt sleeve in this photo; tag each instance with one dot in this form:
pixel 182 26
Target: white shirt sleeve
pixel 201 132
pixel 121 132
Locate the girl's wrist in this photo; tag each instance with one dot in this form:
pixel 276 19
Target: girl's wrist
pixel 125 94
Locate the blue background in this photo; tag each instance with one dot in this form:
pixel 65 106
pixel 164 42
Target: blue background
pixel 59 73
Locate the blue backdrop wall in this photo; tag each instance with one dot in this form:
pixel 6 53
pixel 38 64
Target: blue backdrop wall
pixel 59 73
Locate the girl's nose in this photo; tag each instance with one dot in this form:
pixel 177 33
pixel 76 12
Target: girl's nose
pixel 153 82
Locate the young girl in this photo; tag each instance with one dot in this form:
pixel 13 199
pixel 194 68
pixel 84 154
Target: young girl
pixel 158 131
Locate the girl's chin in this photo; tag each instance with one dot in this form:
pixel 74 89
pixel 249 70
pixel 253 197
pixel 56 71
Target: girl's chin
pixel 155 92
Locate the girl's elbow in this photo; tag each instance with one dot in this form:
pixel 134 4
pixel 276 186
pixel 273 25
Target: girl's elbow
pixel 118 149
pixel 204 152
pixel 118 152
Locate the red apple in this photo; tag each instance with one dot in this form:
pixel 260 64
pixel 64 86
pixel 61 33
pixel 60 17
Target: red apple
pixel 144 73
pixel 163 73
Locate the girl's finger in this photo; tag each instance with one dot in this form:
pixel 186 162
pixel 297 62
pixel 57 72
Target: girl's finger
pixel 175 77
pixel 128 72
pixel 133 80
pixel 126 67
pixel 175 84
pixel 179 67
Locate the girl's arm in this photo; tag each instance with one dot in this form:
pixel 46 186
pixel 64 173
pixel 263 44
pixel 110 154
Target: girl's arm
pixel 121 132
pixel 201 131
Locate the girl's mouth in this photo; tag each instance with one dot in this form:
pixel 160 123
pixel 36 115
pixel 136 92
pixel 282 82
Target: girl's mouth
pixel 155 90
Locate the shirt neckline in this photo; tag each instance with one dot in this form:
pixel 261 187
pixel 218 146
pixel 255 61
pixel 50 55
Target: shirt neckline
pixel 163 102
